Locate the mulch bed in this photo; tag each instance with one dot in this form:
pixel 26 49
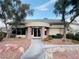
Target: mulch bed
pixel 13 48
pixel 59 42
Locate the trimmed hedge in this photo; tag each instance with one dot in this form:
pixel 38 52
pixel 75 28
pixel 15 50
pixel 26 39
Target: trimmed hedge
pixel 53 36
pixel 50 37
pixel 58 36
pixel 2 34
pixel 70 36
pixel 13 36
pixel 77 36
pixel 73 36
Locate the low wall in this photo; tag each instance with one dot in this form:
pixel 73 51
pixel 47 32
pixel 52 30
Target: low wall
pixel 21 36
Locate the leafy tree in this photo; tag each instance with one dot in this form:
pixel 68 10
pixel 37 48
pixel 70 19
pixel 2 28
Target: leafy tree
pixel 74 10
pixel 15 10
pixel 60 9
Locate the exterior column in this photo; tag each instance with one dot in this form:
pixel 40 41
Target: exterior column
pixel 29 36
pixel 43 33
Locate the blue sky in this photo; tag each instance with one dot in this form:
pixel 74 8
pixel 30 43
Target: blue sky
pixel 42 9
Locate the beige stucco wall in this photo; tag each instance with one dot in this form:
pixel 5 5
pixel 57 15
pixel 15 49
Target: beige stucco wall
pixel 54 29
pixel 38 24
pixel 56 26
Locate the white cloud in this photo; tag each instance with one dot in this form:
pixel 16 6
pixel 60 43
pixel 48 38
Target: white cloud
pixel 44 7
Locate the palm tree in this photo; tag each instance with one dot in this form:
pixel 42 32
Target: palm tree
pixel 60 9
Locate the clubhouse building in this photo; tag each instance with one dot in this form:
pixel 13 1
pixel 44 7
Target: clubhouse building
pixel 39 28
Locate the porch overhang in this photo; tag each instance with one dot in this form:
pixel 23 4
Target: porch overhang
pixel 38 24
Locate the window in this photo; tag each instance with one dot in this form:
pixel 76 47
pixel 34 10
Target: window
pixel 19 31
pixel 45 32
pixel 32 31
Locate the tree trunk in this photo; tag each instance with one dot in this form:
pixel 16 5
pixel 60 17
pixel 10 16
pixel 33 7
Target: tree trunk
pixel 64 22
pixel 64 36
pixel 16 31
pixel 6 30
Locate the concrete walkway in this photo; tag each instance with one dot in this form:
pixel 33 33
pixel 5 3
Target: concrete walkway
pixel 35 51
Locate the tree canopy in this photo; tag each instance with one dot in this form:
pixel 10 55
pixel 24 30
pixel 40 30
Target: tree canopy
pixel 14 10
pixel 61 7
pixel 74 10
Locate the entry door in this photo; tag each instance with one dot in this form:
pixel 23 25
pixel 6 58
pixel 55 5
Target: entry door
pixel 36 32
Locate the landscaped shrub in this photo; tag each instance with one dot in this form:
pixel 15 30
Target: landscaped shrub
pixel 59 35
pixel 53 36
pixel 77 36
pixel 70 36
pixel 2 35
pixel 48 38
pixel 13 36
